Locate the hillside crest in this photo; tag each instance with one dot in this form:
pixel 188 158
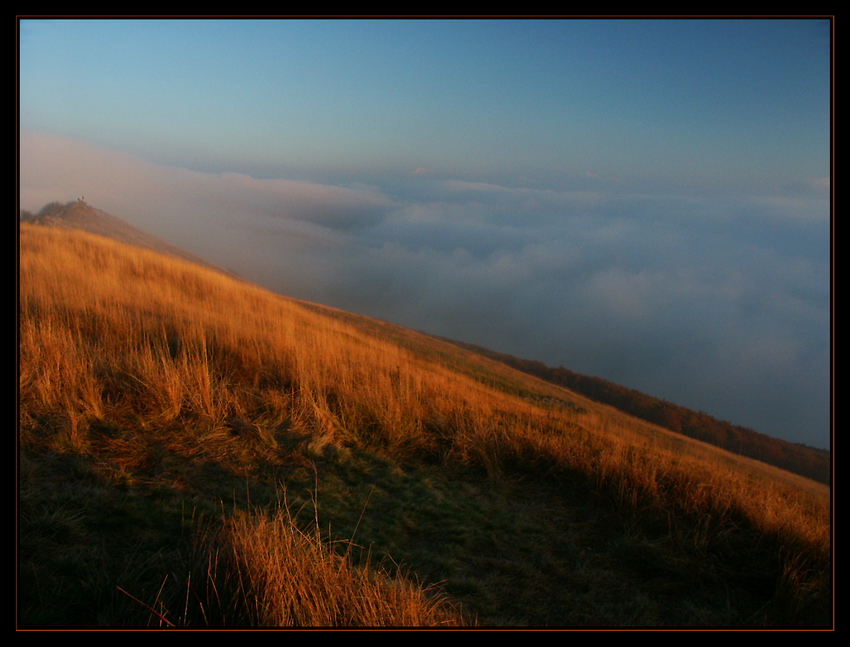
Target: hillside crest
pixel 78 214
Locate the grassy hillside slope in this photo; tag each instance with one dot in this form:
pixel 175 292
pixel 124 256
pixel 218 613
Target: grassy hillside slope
pixel 807 461
pixel 195 451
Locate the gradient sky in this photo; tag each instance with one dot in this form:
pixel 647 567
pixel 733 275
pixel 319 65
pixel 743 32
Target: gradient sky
pixel 643 200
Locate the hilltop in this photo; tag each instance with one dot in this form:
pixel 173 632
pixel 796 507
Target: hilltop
pixel 81 215
pixel 197 451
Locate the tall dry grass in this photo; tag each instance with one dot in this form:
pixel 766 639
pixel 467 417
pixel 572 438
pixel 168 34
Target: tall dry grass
pixel 120 347
pixel 261 569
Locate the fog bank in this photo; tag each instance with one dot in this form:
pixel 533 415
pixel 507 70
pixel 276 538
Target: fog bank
pixel 718 301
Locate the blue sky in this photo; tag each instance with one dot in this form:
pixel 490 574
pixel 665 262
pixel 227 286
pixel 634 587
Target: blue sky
pixel 603 96
pixel 645 200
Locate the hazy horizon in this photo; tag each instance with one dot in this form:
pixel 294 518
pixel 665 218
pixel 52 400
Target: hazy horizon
pixel 646 201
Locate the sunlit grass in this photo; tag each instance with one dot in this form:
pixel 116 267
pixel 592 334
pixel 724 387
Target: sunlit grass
pixel 161 372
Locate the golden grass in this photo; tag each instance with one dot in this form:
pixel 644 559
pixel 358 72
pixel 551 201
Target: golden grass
pixel 262 570
pixel 146 344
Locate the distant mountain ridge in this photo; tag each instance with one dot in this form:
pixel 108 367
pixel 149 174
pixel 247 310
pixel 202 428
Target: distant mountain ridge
pixel 81 215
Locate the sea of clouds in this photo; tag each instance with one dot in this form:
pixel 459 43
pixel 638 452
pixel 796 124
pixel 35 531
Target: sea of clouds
pixel 716 300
